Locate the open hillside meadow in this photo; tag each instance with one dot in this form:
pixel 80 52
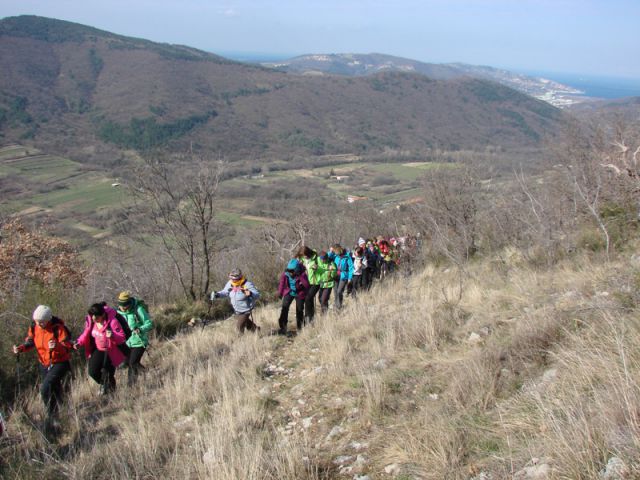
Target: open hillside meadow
pixel 497 371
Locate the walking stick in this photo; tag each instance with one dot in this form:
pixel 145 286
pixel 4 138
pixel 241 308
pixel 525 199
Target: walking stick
pixel 18 372
pixel 205 320
pixel 104 371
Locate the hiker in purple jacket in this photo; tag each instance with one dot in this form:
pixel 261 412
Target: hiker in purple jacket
pixel 293 285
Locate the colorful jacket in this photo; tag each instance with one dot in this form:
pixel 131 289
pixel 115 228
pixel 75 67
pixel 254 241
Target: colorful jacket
pixel 301 282
pixel 86 338
pixel 39 337
pixel 326 270
pixel 344 264
pixel 241 302
pixel 311 264
pixel 138 319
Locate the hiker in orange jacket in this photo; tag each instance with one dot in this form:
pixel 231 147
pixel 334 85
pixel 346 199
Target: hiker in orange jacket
pixel 51 340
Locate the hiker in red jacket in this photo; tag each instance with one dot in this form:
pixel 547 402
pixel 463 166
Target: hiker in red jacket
pixel 51 340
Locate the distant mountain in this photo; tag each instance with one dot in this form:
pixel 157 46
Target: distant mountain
pixel 350 64
pixel 625 109
pixel 92 95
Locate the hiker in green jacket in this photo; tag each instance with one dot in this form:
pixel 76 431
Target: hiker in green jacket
pixel 326 272
pixel 309 259
pixel 136 314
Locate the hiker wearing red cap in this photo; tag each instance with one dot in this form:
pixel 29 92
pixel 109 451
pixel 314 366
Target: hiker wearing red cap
pixel 243 295
pixel 52 342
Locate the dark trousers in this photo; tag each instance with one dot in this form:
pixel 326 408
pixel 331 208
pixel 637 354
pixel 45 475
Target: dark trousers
pixel 52 388
pixel 310 302
pixel 358 284
pixel 284 312
pixel 97 362
pixel 340 288
pixel 135 355
pixel 325 294
pixel 244 322
pixel 367 277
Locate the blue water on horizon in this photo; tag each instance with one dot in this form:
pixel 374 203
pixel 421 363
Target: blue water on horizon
pixel 594 85
pixel 598 86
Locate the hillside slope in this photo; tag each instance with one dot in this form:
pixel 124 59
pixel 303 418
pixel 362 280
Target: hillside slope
pixel 505 372
pixel 66 87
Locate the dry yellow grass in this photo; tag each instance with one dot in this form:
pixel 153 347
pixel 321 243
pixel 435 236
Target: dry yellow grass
pixel 438 376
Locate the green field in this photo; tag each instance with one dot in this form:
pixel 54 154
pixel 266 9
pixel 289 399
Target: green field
pixel 75 196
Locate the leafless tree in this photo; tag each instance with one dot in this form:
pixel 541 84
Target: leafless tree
pixel 448 215
pixel 602 168
pixel 180 193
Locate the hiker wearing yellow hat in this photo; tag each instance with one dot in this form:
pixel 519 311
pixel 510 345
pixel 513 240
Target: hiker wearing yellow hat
pixel 136 313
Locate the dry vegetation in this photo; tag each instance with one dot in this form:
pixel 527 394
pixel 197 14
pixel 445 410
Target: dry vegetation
pixel 525 364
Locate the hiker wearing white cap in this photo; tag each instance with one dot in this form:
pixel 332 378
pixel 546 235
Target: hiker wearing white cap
pixel 52 341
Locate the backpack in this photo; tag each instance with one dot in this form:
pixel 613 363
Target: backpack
pixel 56 331
pixel 124 325
pixel 141 303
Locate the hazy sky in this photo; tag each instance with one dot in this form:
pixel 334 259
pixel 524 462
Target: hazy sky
pixel 598 37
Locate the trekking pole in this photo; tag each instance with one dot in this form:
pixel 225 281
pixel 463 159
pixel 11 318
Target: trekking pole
pixel 103 371
pixel 18 372
pixel 251 318
pixel 205 320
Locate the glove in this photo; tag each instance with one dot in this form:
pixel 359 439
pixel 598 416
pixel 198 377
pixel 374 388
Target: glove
pixel 214 295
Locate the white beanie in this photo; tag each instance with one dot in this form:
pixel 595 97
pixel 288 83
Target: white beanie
pixel 361 241
pixel 42 313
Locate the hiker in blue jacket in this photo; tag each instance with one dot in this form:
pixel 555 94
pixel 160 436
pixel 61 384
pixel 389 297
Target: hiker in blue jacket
pixel 344 272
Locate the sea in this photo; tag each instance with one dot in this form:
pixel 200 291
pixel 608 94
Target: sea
pixel 594 86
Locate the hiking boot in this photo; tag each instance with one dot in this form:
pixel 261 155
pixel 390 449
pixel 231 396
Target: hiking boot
pixel 51 425
pixel 282 332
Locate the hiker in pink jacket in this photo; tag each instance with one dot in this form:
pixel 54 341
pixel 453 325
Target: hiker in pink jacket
pixel 101 336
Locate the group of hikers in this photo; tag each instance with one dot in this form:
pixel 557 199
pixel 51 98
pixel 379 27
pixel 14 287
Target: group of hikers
pixel 312 274
pixel 113 337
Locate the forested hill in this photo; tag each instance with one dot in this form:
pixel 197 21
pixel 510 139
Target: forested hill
pixel 91 94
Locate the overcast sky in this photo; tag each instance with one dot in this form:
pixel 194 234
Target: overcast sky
pixel 596 37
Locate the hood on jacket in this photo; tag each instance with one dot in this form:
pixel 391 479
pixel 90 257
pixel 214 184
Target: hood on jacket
pixel 294 265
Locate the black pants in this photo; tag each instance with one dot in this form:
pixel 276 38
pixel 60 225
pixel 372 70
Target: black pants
pixel 310 303
pixel 358 284
pixel 52 388
pixel 96 362
pixel 284 312
pixel 135 355
pixel 325 294
pixel 368 275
